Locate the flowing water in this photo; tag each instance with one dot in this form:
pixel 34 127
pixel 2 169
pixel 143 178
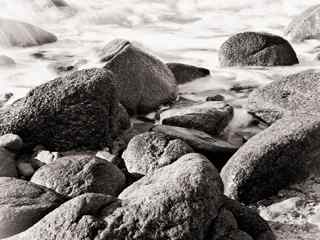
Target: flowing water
pixel 188 31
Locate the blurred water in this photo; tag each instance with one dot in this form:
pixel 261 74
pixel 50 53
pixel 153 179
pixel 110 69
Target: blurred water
pixel 188 31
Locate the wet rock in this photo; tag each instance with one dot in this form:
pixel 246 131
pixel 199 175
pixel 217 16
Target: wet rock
pixel 259 49
pixel 295 93
pixel 74 175
pixel 22 204
pixel 79 110
pixel 215 149
pixel 143 81
pixel 7 164
pixel 284 153
pixel 305 26
pixel 186 73
pixel 149 151
pixel 11 142
pixel 209 117
pixel 20 34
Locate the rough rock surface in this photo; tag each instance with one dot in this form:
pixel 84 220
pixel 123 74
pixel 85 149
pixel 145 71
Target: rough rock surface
pixel 186 73
pixel 12 142
pixel 20 34
pixel 149 151
pixel 74 175
pixel 22 204
pixel 259 49
pixel 305 26
pixel 76 111
pixel 7 164
pixel 210 117
pixel 295 93
pixel 284 153
pixel 143 81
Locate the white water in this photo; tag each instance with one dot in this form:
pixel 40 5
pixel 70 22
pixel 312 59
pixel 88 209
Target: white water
pixel 188 31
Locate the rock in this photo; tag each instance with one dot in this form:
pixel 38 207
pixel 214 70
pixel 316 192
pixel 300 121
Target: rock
pixel 11 142
pixel 186 73
pixel 20 34
pixel 76 111
pixel 4 98
pixel 7 164
pixel 284 153
pixel 74 175
pixel 295 93
pixel 209 117
pixel 304 26
pixel 148 209
pixel 149 151
pixel 43 157
pixel 249 220
pixel 143 81
pixel 22 204
pixel 260 49
pixel 60 3
pixel 6 61
pixel 217 97
pixel 25 169
pixel 216 150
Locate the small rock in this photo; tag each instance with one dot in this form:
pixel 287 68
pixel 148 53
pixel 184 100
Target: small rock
pixel 43 157
pixel 217 97
pixel 259 49
pixel 7 164
pixel 25 169
pixel 186 73
pixel 224 225
pixel 12 142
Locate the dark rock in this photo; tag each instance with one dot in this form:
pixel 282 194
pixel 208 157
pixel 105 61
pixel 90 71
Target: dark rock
pixel 186 73
pixel 74 175
pixel 20 34
pixel 296 93
pixel 149 151
pixel 305 26
pixel 283 154
pixel 22 204
pixel 7 164
pixel 259 49
pixel 210 117
pixel 217 97
pixel 143 81
pixel 215 149
pixel 60 3
pixel 79 110
pixel 11 142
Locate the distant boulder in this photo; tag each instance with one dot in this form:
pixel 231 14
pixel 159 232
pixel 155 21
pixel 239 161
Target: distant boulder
pixel 256 49
pixel 19 34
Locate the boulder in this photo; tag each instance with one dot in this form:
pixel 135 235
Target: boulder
pixel 305 26
pixel 215 149
pixel 143 81
pixel 22 204
pixel 7 164
pixel 149 151
pixel 186 73
pixel 74 175
pixel 256 49
pixel 21 34
pixel 11 142
pixel 295 93
pixel 79 110
pixel 282 154
pixel 210 117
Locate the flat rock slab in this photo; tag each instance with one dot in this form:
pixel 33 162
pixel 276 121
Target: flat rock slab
pixel 210 117
pixel 22 204
pixel 256 49
pixel 143 81
pixel 74 175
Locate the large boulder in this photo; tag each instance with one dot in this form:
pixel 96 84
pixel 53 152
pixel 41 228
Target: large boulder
pixel 79 110
pixel 143 81
pixel 149 151
pixel 186 73
pixel 77 174
pixel 178 201
pixel 7 164
pixel 20 34
pixel 256 49
pixel 295 93
pixel 283 154
pixel 210 117
pixel 22 204
pixel 305 26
